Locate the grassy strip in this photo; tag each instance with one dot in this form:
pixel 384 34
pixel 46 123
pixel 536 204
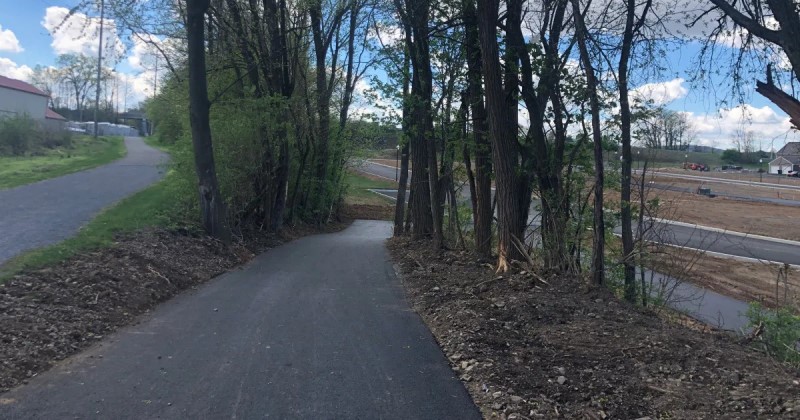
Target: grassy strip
pixel 155 142
pixel 358 190
pixel 85 153
pixel 153 206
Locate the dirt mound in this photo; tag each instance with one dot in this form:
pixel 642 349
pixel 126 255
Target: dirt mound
pixel 529 349
pixel 367 212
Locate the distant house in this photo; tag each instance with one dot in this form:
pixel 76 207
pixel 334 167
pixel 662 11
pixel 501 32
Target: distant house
pixel 21 98
pixel 788 159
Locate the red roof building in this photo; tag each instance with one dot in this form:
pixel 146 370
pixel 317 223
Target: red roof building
pixel 22 98
pixel 19 85
pixel 52 115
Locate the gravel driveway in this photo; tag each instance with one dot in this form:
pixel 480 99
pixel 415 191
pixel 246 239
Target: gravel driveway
pixel 52 210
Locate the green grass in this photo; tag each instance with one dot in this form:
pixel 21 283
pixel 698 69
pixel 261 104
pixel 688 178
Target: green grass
pixel 153 206
pixel 85 153
pixel 358 190
pixel 155 141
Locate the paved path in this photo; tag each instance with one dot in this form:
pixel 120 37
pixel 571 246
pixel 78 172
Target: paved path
pixel 52 210
pixel 315 329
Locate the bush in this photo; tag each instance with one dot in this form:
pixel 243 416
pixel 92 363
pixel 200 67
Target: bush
pixel 18 135
pixel 21 135
pixel 53 138
pixel 780 331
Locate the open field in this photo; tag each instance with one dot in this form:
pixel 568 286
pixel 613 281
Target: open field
pixel 737 176
pixel 360 203
pixel 85 153
pixel 719 187
pixel 735 215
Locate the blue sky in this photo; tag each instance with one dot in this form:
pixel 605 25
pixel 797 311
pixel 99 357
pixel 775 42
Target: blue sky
pixel 25 41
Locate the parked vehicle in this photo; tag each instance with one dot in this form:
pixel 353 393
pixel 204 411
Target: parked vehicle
pixel 795 174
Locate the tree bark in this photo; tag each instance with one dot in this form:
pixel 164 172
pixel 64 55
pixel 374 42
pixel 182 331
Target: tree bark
pixel 503 134
pixel 598 244
pixel 400 204
pixel 632 26
pixel 212 208
pixel 482 194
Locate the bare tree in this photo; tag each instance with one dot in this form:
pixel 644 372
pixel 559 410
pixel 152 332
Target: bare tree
pixel 598 248
pixel 633 24
pixel 78 72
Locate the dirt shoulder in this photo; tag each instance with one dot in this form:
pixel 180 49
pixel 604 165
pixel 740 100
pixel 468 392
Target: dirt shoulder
pixel 49 314
pixel 745 281
pixel 735 215
pixel 526 349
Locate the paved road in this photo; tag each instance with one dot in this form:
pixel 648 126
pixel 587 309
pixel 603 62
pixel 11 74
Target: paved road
pixel 50 211
pixel 376 169
pixel 315 329
pixel 726 243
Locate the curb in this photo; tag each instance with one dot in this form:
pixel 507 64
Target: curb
pixel 730 232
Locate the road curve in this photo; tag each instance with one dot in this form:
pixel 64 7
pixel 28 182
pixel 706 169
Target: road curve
pixel 377 169
pixel 315 329
pixel 52 210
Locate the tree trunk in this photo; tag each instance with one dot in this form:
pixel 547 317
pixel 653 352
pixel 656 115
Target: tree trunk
pixel 212 209
pixel 323 109
pixel 625 128
pixel 503 131
pixel 482 208
pixel 400 204
pixel 598 244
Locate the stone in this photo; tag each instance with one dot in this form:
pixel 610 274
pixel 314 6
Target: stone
pixel 561 380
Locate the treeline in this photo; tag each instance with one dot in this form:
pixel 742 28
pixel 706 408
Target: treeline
pixel 515 101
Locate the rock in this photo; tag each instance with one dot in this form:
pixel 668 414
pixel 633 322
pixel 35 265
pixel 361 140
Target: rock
pixel 496 394
pixel 561 380
pixel 562 371
pixel 516 399
pixel 436 289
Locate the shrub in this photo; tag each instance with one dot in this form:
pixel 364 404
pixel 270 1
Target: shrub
pixel 780 331
pixel 18 135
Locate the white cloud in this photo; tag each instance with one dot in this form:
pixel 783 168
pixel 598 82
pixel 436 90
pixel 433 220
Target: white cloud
pixel 9 41
pixel 387 34
pixel 11 69
pixel 661 93
pixel 720 129
pixel 79 33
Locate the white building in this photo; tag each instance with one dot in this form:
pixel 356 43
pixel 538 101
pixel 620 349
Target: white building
pixel 780 165
pixel 21 98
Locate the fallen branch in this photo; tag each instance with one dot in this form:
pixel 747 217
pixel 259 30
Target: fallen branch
pixel 159 275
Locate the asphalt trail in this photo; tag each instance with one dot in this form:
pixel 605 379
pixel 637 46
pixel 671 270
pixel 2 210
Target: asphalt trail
pixel 315 329
pixel 49 211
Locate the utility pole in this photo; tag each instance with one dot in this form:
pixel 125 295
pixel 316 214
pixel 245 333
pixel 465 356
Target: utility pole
pixel 99 66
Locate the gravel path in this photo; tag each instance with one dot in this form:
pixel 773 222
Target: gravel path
pixel 315 329
pixel 52 210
